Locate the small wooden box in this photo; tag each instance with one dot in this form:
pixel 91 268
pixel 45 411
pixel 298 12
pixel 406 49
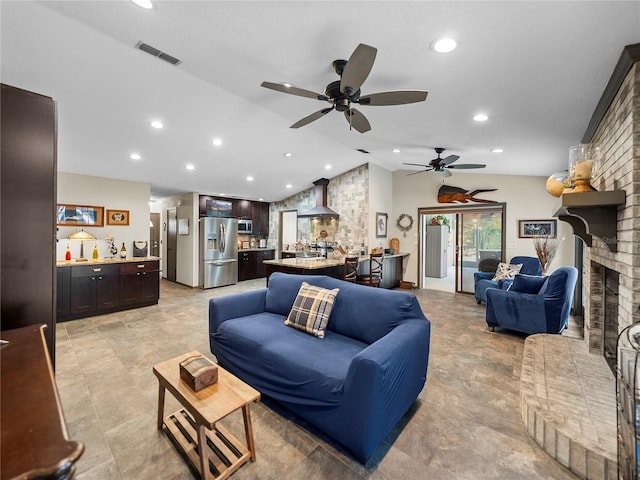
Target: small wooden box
pixel 198 372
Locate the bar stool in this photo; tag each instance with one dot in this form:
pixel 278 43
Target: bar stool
pixel 375 271
pixel 350 272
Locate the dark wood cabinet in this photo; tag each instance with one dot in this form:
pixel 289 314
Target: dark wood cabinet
pixel 28 205
pixel 260 217
pixel 250 263
pixel 139 283
pixel 242 209
pixel 94 288
pixel 86 290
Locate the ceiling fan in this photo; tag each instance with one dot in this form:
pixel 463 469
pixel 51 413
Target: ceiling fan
pixel 342 93
pixel 442 165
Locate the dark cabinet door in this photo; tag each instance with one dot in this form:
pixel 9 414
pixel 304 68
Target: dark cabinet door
pixel 150 287
pixel 83 295
pixel 261 268
pixel 130 289
pixel 242 209
pixel 244 266
pixel 260 213
pixel 107 292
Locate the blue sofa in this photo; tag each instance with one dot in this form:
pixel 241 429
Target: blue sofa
pixel 355 383
pixel 533 304
pixel 483 280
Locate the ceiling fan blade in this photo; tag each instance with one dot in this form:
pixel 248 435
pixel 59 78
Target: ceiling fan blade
pixel 358 68
pixel 399 97
pixel 416 164
pixel 418 171
pixel 449 159
pixel 467 165
pixel 301 92
pixel 310 118
pixel 445 173
pixel 357 120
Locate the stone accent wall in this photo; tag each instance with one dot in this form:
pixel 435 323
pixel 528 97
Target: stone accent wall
pixel 347 194
pixel 619 137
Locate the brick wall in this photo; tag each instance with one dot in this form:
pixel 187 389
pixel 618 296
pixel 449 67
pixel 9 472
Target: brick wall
pixel 347 194
pixel 619 137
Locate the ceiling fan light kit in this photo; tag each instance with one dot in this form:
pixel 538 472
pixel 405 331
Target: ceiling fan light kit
pixel 341 94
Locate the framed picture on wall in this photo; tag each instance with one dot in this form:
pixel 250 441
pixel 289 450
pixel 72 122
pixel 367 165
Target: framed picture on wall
pixel 80 215
pixel 381 224
pixel 117 217
pixel 537 228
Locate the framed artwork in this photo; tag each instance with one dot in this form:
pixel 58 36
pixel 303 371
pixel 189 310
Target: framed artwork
pixel 117 217
pixel 80 215
pixel 537 228
pixel 183 226
pixel 381 224
pixel 219 208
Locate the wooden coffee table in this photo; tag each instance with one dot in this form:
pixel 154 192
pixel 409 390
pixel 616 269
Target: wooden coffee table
pixel 212 450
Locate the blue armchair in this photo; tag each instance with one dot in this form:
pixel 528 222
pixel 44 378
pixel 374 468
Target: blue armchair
pixel 533 304
pixel 482 280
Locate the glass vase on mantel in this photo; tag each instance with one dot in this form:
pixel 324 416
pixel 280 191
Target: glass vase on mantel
pixel 584 162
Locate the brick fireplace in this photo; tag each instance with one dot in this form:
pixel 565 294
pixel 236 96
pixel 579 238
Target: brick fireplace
pixel 618 133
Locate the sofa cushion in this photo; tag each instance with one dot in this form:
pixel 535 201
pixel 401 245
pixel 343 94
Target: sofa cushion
pixel 527 284
pixel 506 270
pixel 311 309
pixel 285 363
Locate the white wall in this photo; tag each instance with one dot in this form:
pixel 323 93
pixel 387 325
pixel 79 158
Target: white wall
pixel 74 189
pixel 187 253
pixel 526 199
pixel 381 193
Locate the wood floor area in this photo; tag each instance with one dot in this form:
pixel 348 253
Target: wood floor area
pixel 465 425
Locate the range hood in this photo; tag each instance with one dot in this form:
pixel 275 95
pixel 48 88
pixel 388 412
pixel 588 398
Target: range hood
pixel 321 209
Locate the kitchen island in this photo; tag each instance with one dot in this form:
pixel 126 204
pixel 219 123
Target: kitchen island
pixel 391 267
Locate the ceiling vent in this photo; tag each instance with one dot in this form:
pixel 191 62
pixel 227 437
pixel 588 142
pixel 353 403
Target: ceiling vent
pixel 362 150
pixel 157 53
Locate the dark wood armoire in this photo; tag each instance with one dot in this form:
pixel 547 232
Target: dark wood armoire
pixel 28 211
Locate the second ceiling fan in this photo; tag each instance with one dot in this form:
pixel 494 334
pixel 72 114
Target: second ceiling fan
pixel 442 165
pixel 346 91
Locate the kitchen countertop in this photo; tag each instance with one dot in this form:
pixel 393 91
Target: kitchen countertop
pixel 103 261
pixel 314 263
pixel 256 249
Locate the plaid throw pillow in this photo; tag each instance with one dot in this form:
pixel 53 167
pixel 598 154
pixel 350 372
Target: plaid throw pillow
pixel 506 271
pixel 311 309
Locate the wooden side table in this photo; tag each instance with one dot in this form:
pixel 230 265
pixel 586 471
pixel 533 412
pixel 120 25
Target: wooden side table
pixel 35 442
pixel 212 450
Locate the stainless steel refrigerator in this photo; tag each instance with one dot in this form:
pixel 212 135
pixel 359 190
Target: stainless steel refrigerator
pixel 218 252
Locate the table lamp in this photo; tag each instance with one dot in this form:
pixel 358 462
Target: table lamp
pixel 82 236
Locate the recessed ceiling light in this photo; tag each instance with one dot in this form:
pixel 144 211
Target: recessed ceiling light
pixel 289 185
pixel 327 167
pixel 287 85
pixel 135 156
pixel 261 199
pixel 497 150
pixel 249 178
pixel 157 124
pixel 190 166
pixel 288 154
pixel 396 150
pixel 222 194
pixel 444 45
pixel 143 3
pixel 480 117
pixel 217 142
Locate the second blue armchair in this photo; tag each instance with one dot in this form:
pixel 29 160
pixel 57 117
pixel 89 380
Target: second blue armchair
pixel 483 280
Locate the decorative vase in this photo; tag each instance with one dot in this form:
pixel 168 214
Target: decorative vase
pixel 584 162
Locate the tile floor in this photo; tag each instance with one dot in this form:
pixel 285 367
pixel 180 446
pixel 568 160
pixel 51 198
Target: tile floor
pixel 465 425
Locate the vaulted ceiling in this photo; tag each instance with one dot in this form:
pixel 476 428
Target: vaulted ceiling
pixel 536 69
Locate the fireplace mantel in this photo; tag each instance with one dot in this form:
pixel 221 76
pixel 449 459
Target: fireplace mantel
pixel 592 213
